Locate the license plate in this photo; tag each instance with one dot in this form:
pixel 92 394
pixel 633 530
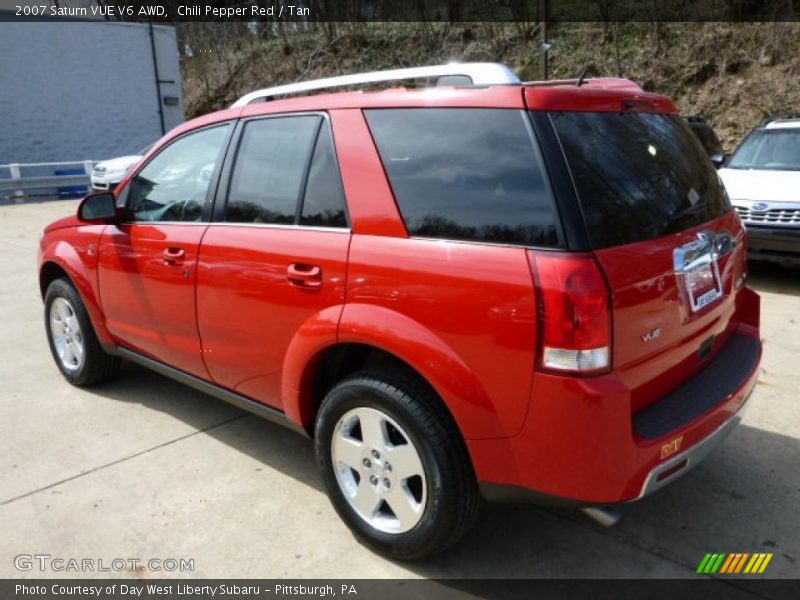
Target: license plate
pixel 696 267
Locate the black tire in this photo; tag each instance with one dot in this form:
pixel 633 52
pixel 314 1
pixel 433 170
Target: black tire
pixel 453 499
pixel 96 366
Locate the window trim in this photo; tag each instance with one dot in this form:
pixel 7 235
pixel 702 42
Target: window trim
pixel 226 179
pixel 573 232
pixel 543 164
pixel 211 193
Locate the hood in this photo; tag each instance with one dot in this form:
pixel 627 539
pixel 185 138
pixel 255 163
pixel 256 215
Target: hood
pixel 121 162
pixel 761 184
pixel 68 221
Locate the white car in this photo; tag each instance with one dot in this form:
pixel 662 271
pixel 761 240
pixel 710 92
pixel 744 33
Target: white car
pixel 107 175
pixel 763 181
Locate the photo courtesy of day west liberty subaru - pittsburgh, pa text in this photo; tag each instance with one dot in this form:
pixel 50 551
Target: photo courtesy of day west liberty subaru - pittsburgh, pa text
pixel 136 590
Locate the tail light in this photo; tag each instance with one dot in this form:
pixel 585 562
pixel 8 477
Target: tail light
pixel 574 313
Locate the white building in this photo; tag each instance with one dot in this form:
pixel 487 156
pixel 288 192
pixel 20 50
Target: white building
pixel 72 90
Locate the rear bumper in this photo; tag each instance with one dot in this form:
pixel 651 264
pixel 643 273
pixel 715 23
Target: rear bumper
pixel 660 476
pixel 682 463
pixel 776 244
pixel 580 443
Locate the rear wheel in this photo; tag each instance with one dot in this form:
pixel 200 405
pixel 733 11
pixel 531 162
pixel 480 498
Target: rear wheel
pixel 72 339
pixel 395 466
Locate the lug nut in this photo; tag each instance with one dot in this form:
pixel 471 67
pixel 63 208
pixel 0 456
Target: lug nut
pixel 373 480
pixel 366 463
pixel 387 467
pixel 387 483
pixel 376 454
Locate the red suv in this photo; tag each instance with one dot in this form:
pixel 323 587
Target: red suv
pixel 481 289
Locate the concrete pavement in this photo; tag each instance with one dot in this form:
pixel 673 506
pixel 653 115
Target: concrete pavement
pixel 143 467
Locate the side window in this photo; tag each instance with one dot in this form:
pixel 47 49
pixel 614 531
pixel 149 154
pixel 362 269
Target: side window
pixel 173 186
pixel 323 202
pixel 466 174
pixel 270 165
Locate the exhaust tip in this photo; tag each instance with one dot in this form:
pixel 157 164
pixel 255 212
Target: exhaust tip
pixel 603 515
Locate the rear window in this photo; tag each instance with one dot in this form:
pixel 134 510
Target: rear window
pixel 638 176
pixel 466 174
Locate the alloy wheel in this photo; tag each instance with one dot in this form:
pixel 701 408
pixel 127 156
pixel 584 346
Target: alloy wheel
pixel 379 470
pixel 67 336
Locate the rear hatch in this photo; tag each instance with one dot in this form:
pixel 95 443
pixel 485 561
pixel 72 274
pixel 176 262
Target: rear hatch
pixel 665 236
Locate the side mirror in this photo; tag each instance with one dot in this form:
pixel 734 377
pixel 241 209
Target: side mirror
pixel 100 207
pixel 718 159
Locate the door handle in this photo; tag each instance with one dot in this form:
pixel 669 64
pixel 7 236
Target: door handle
pixel 173 256
pixel 302 275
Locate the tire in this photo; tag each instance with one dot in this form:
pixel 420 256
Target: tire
pixel 73 342
pixel 403 516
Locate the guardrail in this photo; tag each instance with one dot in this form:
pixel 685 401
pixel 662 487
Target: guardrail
pixel 43 180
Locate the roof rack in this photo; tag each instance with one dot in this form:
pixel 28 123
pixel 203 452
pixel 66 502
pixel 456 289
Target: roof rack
pixel 450 74
pixel 781 117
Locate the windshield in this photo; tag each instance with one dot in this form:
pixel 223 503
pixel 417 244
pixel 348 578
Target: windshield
pixel 638 175
pixel 777 149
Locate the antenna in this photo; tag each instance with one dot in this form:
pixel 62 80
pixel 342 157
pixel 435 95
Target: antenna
pixel 584 73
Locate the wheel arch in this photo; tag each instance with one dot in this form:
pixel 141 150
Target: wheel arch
pixel 63 261
pixel 48 273
pixel 369 336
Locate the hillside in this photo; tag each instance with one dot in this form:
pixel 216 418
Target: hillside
pixel 732 74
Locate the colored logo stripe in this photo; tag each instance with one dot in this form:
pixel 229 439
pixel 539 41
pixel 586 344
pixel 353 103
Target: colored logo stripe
pixel 710 563
pixel 734 563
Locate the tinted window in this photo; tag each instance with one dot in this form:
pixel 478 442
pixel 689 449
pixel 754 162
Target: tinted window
pixel 323 203
pixel 268 174
pixel 777 149
pixel 638 175
pixel 173 186
pixel 471 174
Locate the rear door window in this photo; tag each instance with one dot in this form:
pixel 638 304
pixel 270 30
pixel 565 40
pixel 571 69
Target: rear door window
pixel 638 176
pixel 323 201
pixel 269 170
pixel 466 174
pixel 286 173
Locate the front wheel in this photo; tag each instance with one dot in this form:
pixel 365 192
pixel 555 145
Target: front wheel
pixel 395 466
pixel 73 343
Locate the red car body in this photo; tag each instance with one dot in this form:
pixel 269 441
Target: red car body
pixel 257 311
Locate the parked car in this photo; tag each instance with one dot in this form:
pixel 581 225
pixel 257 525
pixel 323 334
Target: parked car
pixel 709 138
pixel 107 174
pixel 763 180
pixel 491 291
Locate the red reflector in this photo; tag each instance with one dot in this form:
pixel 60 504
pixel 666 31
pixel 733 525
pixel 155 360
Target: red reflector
pixel 672 470
pixel 574 312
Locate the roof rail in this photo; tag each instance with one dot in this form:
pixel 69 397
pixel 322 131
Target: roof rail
pixel 476 73
pixel 779 117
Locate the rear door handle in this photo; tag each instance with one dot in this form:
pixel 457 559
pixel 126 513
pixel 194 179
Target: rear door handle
pixel 174 256
pixel 302 275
